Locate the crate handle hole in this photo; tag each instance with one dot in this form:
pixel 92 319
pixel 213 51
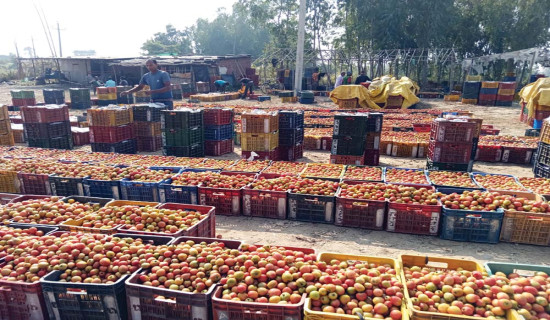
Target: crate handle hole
pixel 165 300
pixel 220 194
pixel 76 291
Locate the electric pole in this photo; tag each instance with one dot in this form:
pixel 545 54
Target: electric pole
pixel 298 72
pixel 59 37
pixel 19 67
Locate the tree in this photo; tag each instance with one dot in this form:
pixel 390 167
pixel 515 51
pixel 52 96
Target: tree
pixel 171 42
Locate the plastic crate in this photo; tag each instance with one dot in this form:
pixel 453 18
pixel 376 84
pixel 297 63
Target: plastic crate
pixel 488 153
pixel 261 155
pixel 34 183
pixel 195 150
pixel 291 119
pixel 259 141
pixel 449 152
pixel 520 155
pixel 520 187
pixel 6 198
pixel 61 186
pixel 364 214
pixel 126 147
pixel 348 103
pixel 541 114
pixel 83 300
pixel 291 153
pixel 92 200
pixel 264 203
pixel 183 118
pixel 413 218
pixel 354 125
pixel 291 137
pixel 149 144
pixel 260 123
pixel 394 102
pixel 221 132
pixel 102 188
pixel 9 182
pixel 453 131
pixel 110 116
pixel 7 139
pixel 348 146
pixel 541 171
pixel 525 270
pixel 147 129
pixel 149 112
pixel 347 160
pixel 182 137
pixel 20 300
pixel 76 226
pixel 471 226
pixel 47 130
pixel 44 114
pixel 111 134
pixel 311 208
pixel 526 227
pixel 81 136
pixel 65 142
pixel 217 116
pixel 218 148
pixel 226 201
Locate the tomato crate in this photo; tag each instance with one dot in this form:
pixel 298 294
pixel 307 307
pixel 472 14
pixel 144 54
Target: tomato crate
pixel 147 129
pixel 356 213
pixel 453 131
pixel 526 227
pixel 62 186
pixel 348 124
pixel 149 144
pixel 182 137
pixel 241 310
pixel 31 183
pixel 110 116
pixel 226 201
pixel 222 132
pixel 543 154
pixel 347 160
pixel 218 116
pixel 6 198
pixel 264 203
pixel 126 147
pixel 291 137
pixel 291 119
pixel 541 171
pixel 260 123
pixel 177 194
pixel 21 300
pixel 65 300
pixel 44 114
pixel 521 269
pixel 348 103
pixel 430 165
pixel 195 150
pixel 262 155
pixel 311 208
pixel 102 188
pixel 65 142
pixel 182 118
pixel 348 146
pixel 77 226
pixel 47 130
pixel 471 226
pixel 394 102
pixel 488 153
pixel 259 141
pixel 141 191
pixel 449 152
pixel 9 182
pixel 148 112
pixel 218 148
pixel 520 155
pixel 422 127
pixel 291 153
pixel 81 136
pixel 517 185
pixel 116 134
pixel 413 218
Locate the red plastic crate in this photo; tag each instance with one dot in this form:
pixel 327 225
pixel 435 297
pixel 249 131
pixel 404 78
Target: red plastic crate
pixel 414 219
pixel 487 97
pixel 541 114
pixel 355 213
pixel 394 102
pixel 217 148
pixel 326 143
pixel 264 204
pixel 44 114
pixel 19 300
pixel 490 132
pixel 505 98
pixel 453 131
pixel 100 134
pixel 488 153
pixel 422 127
pixel 23 102
pixel 226 201
pixel 240 310
pixel 520 155
pixel 486 102
pixel 449 152
pixel 217 116
pixel 262 155
pixel 147 129
pixel 352 160
pixel 291 153
pixel 149 144
pixel 34 183
pixel 81 136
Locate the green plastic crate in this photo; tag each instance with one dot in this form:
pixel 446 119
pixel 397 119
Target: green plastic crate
pixel 522 269
pixel 182 137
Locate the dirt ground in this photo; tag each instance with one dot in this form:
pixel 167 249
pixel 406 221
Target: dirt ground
pixel 330 238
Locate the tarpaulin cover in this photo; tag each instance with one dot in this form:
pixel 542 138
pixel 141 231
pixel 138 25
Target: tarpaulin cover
pixel 536 94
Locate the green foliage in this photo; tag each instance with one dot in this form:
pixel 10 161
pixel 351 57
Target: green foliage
pixel 171 42
pixel 8 67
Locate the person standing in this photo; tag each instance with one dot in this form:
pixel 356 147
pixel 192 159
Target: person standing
pixel 158 82
pixel 221 85
pixel 362 78
pixel 339 80
pixel 347 78
pixel 110 83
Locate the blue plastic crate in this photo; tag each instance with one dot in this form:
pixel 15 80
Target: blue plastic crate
pixel 102 188
pixel 471 226
pixel 217 133
pixel 177 194
pixel 521 269
pixel 139 191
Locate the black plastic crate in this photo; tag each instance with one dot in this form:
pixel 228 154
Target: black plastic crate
pixel 54 96
pixel 148 112
pixel 543 154
pixel 182 137
pixel 127 147
pixel 374 123
pixel 47 130
pixel 65 142
pixel 178 119
pixel 102 189
pixel 449 166
pixel 471 226
pixel 217 133
pixel 348 146
pixel 291 119
pixel 532 132
pixel 291 137
pixel 65 300
pixel 104 103
pixel 61 186
pixel 195 150
pixel 354 125
pixel 541 171
pixel 311 208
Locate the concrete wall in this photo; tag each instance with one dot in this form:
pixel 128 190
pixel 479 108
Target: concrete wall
pixel 75 70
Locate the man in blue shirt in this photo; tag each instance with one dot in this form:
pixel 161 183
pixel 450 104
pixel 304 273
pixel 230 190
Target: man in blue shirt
pixel 221 85
pixel 159 84
pixel 110 83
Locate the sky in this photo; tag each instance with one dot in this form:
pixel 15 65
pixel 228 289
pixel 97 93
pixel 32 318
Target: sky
pixel 113 28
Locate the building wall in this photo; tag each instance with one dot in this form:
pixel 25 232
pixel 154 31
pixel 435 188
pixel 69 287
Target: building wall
pixel 235 66
pixel 75 70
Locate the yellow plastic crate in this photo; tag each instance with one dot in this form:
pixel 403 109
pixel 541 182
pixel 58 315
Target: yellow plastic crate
pixel 473 78
pixel 106 96
pixel 453 97
pixel 259 141
pixel 76 226
pixel 490 84
pixel 9 183
pixel 7 140
pixel 110 116
pixel 469 101
pixel 327 257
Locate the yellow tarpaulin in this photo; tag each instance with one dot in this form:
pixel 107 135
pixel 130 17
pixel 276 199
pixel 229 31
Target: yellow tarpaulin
pixel 536 94
pixel 354 91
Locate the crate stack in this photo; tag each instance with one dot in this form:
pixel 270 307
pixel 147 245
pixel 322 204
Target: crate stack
pixel 182 132
pixel 47 126
pixel 80 98
pixel 541 165
pixel 20 98
pixel 6 134
pixel 356 139
pixel 218 131
pixel 260 135
pixel 147 126
pixel 287 96
pixel 451 144
pixel 112 130
pixel 488 93
pixel 307 97
pixel 291 135
pixel 470 92
pixel 120 99
pixel 187 89
pixel 54 96
pixel 141 96
pixel 106 96
pixel 505 95
pixel 374 134
pixel 177 92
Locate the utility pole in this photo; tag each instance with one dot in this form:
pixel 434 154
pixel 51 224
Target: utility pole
pixel 19 67
pixel 59 37
pixel 298 73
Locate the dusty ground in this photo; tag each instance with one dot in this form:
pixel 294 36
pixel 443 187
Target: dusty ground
pixel 330 238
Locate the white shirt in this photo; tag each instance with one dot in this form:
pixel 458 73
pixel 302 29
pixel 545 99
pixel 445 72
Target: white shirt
pixel 339 81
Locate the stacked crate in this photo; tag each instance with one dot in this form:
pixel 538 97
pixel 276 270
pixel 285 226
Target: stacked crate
pixel 80 98
pixel 451 144
pixel 182 133
pixel 541 166
pixel 47 126
pixel 147 126
pixel 120 99
pixel 349 138
pixel 6 135
pixel 106 96
pixel 260 135
pixel 470 92
pixel 291 135
pixel 488 93
pixel 187 89
pixel 505 95
pixel 141 96
pixel 307 97
pixel 21 98
pixel 372 141
pixel 54 96
pixel 112 130
pixel 177 92
pixel 218 131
